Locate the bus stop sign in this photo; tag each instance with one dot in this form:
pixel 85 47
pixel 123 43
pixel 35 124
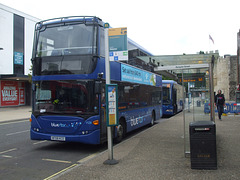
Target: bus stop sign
pixel 112 104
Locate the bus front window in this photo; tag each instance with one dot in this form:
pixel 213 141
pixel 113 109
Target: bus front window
pixel 65 49
pixel 166 96
pixel 62 40
pixel 64 97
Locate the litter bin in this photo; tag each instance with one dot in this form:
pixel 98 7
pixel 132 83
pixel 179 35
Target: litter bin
pixel 198 103
pixel 203 145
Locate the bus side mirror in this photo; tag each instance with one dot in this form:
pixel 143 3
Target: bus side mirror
pixel 98 87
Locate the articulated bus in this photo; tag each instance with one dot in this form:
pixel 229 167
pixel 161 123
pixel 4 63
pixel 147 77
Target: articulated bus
pixel 172 97
pixel 69 84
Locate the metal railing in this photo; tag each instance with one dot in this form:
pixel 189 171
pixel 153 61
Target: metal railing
pixel 233 108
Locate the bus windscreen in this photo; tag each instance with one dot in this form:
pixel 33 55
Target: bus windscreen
pixel 63 97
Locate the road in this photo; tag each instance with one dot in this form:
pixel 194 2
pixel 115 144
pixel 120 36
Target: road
pixel 22 158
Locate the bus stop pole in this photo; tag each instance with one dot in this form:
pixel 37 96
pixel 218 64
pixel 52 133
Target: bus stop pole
pixel 186 153
pixel 212 112
pixel 110 160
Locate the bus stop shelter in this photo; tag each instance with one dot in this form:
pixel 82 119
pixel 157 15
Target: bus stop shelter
pixel 195 73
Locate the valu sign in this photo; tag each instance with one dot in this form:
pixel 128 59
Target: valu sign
pixel 12 93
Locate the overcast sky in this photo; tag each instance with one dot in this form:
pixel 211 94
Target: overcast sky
pixel 163 27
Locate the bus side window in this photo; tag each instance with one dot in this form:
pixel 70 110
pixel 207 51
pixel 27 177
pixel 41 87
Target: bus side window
pixel 102 42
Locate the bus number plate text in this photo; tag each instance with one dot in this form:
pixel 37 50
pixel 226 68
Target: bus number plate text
pixel 58 138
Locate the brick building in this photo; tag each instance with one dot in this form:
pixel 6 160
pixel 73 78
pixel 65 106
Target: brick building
pixel 225 76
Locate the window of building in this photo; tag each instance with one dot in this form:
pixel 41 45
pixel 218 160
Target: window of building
pixel 18 44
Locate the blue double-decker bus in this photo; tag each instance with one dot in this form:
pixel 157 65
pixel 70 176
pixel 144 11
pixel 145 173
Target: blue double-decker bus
pixel 173 97
pixel 68 87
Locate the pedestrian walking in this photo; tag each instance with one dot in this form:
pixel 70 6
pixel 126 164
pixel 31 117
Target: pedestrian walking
pixel 220 103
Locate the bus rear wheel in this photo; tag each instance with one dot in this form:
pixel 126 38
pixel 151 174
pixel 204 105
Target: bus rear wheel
pixel 152 119
pixel 121 131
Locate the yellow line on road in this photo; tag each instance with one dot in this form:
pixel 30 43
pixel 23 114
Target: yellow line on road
pixel 60 161
pixel 50 177
pixel 8 150
pixel 80 161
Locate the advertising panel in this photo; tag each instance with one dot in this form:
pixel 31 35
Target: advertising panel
pixel 12 93
pixel 135 75
pixel 18 58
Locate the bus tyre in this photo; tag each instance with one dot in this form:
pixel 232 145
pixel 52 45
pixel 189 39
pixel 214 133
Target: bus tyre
pixel 175 110
pixel 152 119
pixel 121 131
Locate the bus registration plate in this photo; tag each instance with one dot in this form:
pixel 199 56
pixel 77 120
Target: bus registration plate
pixel 58 138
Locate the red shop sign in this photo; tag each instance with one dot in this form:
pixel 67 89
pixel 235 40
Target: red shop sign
pixel 9 93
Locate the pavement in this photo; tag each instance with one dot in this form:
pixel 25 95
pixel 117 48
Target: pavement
pixel 15 113
pixel 155 153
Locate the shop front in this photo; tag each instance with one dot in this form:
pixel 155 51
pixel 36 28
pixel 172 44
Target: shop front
pixel 14 93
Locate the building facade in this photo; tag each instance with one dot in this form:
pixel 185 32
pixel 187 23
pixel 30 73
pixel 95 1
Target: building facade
pixel 16 34
pixel 238 57
pixel 225 76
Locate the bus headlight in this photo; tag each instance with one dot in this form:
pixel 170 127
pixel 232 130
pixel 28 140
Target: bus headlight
pixel 85 132
pixel 36 129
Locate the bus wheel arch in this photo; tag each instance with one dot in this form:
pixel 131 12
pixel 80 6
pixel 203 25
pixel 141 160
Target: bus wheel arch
pixel 121 130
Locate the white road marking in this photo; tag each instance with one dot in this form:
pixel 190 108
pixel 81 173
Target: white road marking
pixel 17 132
pixel 13 122
pixel 6 156
pixel 8 150
pixel 39 142
pixel 70 167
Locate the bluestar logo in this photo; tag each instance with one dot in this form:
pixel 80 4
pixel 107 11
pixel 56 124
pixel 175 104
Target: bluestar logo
pixel 136 121
pixel 65 125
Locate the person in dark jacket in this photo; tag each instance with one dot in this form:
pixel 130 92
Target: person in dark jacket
pixel 220 103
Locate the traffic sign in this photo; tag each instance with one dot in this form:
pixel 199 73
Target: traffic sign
pixel 106 25
pixel 118 44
